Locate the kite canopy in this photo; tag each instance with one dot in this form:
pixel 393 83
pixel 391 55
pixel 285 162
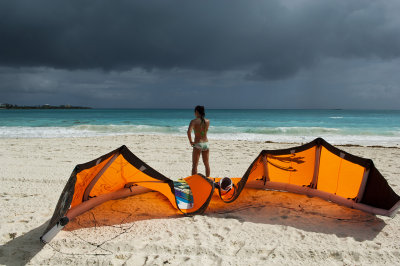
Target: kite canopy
pixel 320 169
pixel 119 174
pixel 316 169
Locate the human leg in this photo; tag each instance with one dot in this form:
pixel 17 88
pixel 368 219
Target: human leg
pixel 195 160
pixel 205 157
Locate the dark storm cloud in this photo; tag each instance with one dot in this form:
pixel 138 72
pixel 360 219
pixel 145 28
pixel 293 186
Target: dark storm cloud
pixel 334 83
pixel 275 39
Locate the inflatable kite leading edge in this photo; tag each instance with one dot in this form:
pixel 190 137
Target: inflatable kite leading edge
pixel 316 169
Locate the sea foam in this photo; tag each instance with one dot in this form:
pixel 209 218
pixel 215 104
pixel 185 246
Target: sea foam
pixel 278 134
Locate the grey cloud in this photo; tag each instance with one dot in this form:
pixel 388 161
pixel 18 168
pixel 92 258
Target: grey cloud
pixel 334 83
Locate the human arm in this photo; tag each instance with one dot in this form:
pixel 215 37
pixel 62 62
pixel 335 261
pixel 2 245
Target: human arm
pixel 189 133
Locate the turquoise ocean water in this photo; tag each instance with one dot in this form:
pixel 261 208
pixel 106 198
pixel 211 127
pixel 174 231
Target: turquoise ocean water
pixel 336 126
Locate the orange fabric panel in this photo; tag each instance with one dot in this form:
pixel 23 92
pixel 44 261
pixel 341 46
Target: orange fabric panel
pixel 328 171
pixel 350 179
pixel 83 179
pixel 121 172
pixel 304 164
pixel 111 180
pixel 278 168
pixel 339 176
pixel 201 190
pixel 297 168
pixel 236 180
pixel 257 171
pixel 163 188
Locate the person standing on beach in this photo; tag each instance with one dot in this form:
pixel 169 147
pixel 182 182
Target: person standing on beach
pixel 200 144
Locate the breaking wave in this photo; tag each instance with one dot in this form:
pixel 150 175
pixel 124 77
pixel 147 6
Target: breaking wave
pixel 276 134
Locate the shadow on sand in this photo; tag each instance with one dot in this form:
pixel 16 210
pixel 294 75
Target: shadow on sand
pixel 22 249
pixel 256 206
pixel 301 212
pixel 116 214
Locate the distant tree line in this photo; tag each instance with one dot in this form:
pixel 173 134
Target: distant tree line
pixel 45 106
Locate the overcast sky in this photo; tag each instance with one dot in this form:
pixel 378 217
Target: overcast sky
pixel 218 53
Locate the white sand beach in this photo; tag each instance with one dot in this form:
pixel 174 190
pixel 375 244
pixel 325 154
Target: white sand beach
pixel 260 228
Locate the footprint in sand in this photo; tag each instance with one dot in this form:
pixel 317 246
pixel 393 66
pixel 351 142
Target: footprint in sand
pixel 221 238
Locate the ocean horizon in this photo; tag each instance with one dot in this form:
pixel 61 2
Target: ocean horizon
pixel 338 126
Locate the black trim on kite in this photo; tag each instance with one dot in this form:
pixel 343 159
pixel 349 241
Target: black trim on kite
pixel 138 163
pixel 377 191
pixel 296 149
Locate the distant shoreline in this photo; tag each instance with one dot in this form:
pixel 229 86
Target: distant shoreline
pixel 46 106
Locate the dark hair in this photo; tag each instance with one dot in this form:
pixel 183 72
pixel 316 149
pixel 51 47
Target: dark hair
pixel 201 111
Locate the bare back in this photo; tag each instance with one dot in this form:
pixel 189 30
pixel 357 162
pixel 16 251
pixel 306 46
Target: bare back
pixel 200 129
